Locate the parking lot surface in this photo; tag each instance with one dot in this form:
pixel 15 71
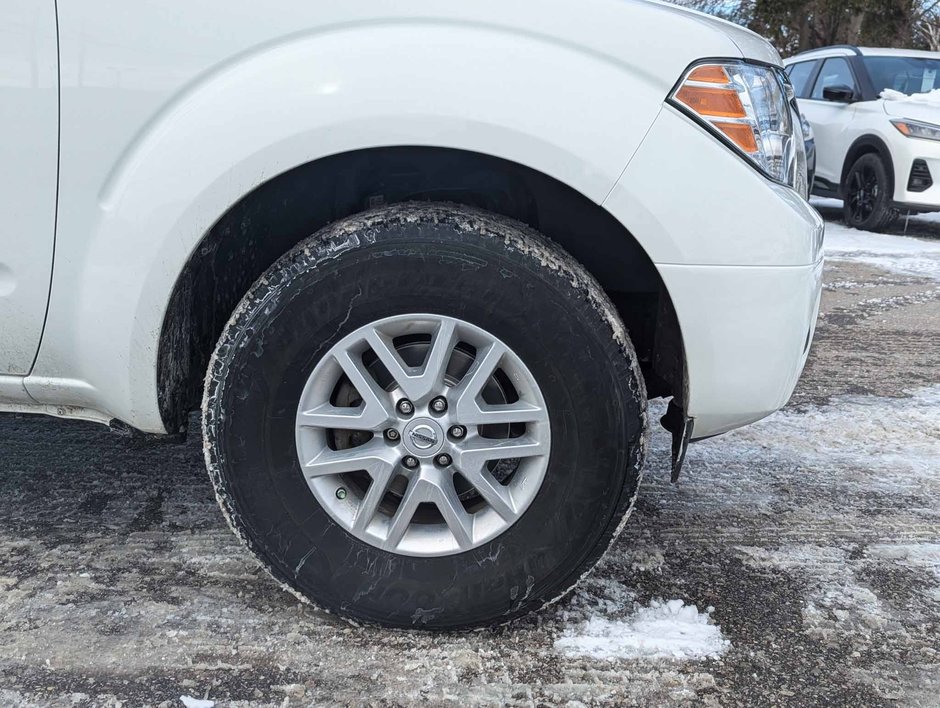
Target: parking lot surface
pixel 797 562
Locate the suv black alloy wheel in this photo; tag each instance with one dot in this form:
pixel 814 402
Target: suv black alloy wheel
pixel 867 195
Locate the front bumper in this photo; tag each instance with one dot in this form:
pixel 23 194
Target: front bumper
pixel 747 333
pixel 904 152
pixel 741 259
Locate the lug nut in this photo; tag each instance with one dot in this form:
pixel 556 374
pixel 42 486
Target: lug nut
pixel 439 404
pixel 443 460
pixel 406 407
pixel 392 434
pixel 341 493
pixel 457 431
pixel 410 462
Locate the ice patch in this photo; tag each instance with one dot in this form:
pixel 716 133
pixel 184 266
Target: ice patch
pixel 664 630
pixel 891 444
pixel 921 555
pixel 846 285
pixel 826 203
pixel 837 603
pixel 646 560
pixel 191 702
pixel 825 561
pixel 594 594
pixel 899 254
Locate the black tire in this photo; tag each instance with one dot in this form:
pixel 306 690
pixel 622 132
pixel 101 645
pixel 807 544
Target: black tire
pixel 443 259
pixel 868 195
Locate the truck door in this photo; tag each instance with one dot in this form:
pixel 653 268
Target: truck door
pixel 29 134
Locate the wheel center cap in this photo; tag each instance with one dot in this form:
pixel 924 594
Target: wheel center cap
pixel 423 437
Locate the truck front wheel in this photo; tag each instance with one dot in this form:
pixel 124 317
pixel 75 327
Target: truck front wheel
pixel 427 416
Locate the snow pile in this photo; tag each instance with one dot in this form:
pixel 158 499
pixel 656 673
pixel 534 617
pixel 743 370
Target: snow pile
pixel 931 98
pixel 191 702
pixel 664 630
pixel 899 254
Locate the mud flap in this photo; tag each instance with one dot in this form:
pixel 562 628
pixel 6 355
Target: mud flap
pixel 680 425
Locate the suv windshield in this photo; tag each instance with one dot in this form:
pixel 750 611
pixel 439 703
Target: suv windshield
pixel 905 74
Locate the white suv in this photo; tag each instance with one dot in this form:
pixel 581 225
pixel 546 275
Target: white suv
pixel 877 127
pixel 419 264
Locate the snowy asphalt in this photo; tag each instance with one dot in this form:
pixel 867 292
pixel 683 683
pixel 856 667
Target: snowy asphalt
pixel 797 562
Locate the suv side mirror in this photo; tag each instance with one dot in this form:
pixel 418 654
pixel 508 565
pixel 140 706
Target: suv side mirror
pixel 839 94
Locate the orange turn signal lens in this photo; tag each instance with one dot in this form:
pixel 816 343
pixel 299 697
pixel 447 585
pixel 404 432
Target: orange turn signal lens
pixel 709 74
pixel 712 102
pixel 903 128
pixel 741 134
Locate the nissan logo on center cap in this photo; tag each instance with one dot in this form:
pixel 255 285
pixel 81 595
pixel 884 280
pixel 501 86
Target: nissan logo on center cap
pixel 423 437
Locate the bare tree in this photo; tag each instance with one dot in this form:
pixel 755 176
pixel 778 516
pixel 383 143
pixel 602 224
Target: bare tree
pixel 736 11
pixel 798 25
pixel 927 25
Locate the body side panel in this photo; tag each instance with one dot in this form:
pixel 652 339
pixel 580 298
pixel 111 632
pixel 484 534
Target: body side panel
pixel 29 127
pixel 12 390
pixel 171 115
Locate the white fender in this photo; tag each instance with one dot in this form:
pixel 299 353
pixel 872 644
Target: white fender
pixel 164 134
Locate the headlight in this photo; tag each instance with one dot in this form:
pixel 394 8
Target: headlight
pixel 751 108
pixel 914 129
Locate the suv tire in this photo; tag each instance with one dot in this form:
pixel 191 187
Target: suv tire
pixel 386 274
pixel 868 192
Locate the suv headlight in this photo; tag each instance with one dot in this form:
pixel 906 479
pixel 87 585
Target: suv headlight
pixel 916 129
pixel 750 107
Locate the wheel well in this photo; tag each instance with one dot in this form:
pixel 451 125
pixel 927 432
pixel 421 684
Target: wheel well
pixel 862 146
pixel 280 213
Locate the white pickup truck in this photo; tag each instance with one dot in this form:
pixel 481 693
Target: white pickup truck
pixel 420 264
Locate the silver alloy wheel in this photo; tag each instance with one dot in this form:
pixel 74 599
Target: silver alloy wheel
pixel 354 441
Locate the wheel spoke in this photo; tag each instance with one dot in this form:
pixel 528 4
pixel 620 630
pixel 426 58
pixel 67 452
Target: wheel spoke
pixel 445 339
pixel 374 495
pixel 495 494
pixel 431 487
pixel 471 385
pixel 385 350
pixel 374 413
pixel 473 413
pixel 374 457
pixel 403 515
pixel 456 517
pixel 417 383
pixel 471 458
pixel 328 416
